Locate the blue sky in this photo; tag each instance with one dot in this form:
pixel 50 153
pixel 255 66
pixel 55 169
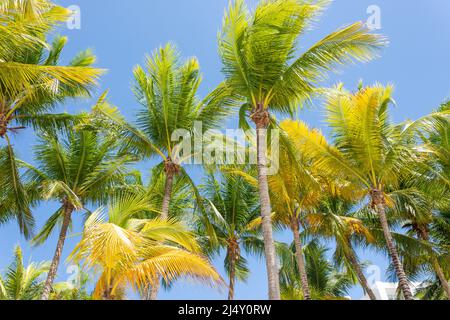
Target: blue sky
pixel 121 33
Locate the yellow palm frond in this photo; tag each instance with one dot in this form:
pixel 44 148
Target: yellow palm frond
pixel 19 79
pixel 170 263
pixel 137 252
pixel 163 231
pixel 328 160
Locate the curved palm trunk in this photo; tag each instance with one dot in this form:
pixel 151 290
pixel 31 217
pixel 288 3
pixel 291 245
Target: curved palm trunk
pixel 441 277
pixel 300 260
pixel 361 277
pixel 153 290
pixel 261 119
pixel 232 277
pixel 68 210
pixel 378 201
pixel 423 233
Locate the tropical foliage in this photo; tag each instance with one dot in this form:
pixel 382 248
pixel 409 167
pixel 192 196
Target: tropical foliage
pixel 364 182
pixel 131 250
pixel 32 82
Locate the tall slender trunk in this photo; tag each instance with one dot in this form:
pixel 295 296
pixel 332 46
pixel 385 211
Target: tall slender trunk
pixel 153 290
pixel 68 209
pixel 360 274
pixel 167 195
pixel 424 235
pixel 441 276
pixel 379 202
pixel 300 260
pixel 261 119
pixel 232 256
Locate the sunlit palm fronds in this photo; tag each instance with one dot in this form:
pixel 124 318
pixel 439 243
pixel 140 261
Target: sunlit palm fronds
pixel 138 252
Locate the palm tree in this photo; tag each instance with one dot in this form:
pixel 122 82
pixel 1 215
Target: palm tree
pixel 130 250
pixel 331 221
pixel 167 91
pixel 326 282
pixel 261 67
pixel 28 68
pixel 22 282
pixel 295 190
pixel 435 184
pixel 300 198
pixel 369 151
pixel 419 213
pixel 181 203
pixel 230 223
pixel 76 168
pixel 31 83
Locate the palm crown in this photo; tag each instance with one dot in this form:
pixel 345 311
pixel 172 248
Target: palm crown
pixel 136 251
pixel 259 52
pixel 77 170
pixel 31 83
pixel 231 222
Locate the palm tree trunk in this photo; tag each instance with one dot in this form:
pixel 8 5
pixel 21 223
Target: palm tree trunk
pixel 266 211
pixel 232 276
pixel 167 195
pixel 378 201
pixel 441 277
pixel 68 209
pixel 300 260
pixel 153 290
pixel 361 277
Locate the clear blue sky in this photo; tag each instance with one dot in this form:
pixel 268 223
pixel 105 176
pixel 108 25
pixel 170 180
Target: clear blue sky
pixel 122 32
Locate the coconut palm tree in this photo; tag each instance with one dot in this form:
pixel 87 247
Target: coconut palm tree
pixel 325 281
pixel 22 282
pixel 180 208
pixel 167 90
pixel 427 213
pixel 302 197
pixel 295 190
pixel 28 64
pixel 331 221
pixel 419 213
pixel 134 251
pixel 230 223
pixel 368 151
pixel 32 82
pixel 76 168
pixel 262 68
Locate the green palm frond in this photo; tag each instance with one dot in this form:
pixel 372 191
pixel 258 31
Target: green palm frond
pixel 22 282
pixel 259 52
pixel 14 200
